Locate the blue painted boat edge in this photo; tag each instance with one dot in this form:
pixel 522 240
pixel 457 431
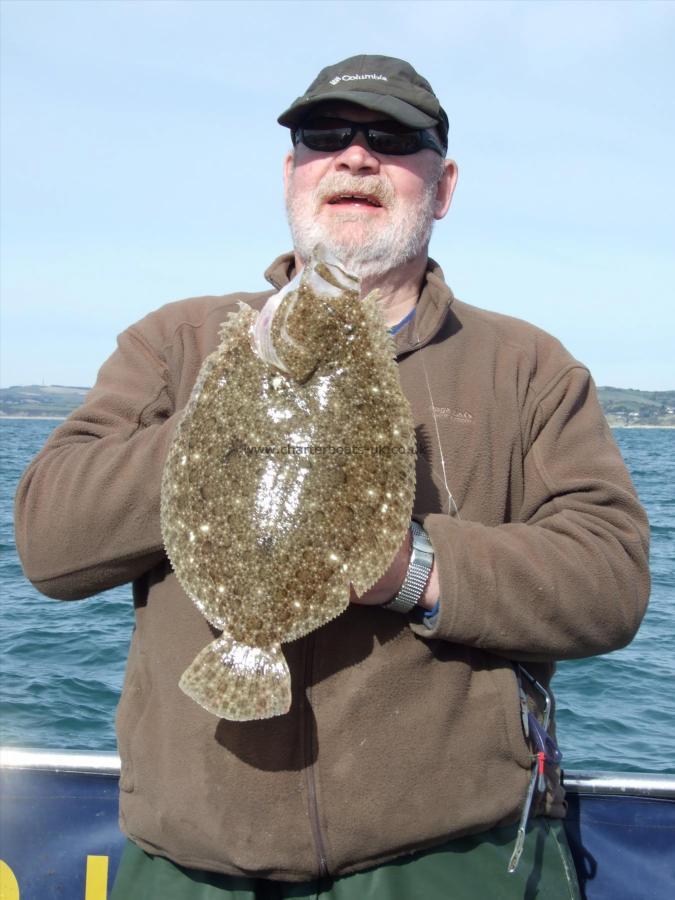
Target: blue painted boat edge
pixel 620 826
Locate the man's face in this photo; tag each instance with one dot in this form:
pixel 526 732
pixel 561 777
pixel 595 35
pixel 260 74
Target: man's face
pixel 373 211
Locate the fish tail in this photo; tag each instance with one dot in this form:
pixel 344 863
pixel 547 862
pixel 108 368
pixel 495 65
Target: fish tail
pixel 238 682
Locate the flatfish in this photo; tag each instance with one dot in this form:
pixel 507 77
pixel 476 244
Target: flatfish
pixel 291 474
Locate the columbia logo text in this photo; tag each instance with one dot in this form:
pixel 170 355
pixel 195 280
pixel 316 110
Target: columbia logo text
pixel 339 78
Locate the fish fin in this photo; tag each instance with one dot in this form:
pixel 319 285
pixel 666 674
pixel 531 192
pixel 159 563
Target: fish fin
pixel 239 682
pixel 234 325
pixel 361 585
pixel 368 570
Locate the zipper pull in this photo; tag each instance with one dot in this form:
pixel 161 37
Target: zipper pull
pixel 518 850
pixel 546 750
pixel 524 816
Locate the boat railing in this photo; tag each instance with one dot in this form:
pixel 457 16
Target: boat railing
pixel 636 784
pixel 84 762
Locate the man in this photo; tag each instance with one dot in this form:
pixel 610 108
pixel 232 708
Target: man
pixel 402 768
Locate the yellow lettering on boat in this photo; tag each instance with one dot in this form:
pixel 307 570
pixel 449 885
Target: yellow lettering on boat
pixel 96 887
pixel 9 887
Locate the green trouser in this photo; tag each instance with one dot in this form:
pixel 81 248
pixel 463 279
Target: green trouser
pixel 470 868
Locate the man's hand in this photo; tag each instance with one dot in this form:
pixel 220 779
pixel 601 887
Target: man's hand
pixel 389 585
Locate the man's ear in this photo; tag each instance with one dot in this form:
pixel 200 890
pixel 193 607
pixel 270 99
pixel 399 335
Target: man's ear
pixel 446 188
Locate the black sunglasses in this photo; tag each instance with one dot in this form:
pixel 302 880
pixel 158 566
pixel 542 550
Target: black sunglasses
pixel 389 137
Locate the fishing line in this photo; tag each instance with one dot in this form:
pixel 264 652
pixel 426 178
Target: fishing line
pixel 453 509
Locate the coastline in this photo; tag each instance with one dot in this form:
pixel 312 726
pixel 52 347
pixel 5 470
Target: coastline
pixel 15 418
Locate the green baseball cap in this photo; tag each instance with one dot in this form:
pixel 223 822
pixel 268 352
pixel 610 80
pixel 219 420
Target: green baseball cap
pixel 381 83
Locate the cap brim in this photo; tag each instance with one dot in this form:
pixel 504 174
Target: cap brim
pixel 391 106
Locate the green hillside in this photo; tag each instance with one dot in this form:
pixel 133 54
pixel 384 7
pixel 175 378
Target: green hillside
pixel 624 406
pixel 41 400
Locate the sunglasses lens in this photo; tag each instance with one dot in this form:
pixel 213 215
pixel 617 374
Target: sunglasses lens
pixel 394 143
pixel 326 140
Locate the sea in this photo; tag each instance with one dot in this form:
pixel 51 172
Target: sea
pixel 62 663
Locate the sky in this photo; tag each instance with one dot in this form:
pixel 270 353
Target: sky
pixel 141 162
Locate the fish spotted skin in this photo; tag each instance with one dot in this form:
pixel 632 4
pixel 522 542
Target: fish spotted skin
pixel 285 482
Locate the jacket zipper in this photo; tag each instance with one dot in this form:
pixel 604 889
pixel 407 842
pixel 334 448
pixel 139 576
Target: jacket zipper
pixel 310 749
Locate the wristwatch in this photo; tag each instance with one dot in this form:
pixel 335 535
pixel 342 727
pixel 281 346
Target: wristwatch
pixel 421 561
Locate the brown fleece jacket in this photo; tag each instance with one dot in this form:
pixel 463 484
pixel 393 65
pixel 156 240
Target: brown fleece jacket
pixel 402 733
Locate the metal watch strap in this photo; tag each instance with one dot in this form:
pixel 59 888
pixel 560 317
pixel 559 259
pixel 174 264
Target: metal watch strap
pixel 421 561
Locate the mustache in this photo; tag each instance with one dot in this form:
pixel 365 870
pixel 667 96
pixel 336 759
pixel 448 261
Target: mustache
pixel 342 183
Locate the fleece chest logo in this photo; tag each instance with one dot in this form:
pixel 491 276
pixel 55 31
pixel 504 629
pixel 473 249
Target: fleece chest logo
pixel 460 415
pixel 339 78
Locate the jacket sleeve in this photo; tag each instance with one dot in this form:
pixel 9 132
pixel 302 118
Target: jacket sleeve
pixel 571 577
pixel 87 508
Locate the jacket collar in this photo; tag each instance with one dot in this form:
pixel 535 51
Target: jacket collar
pixel 432 306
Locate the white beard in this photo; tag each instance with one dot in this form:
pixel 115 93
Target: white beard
pixel 365 248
